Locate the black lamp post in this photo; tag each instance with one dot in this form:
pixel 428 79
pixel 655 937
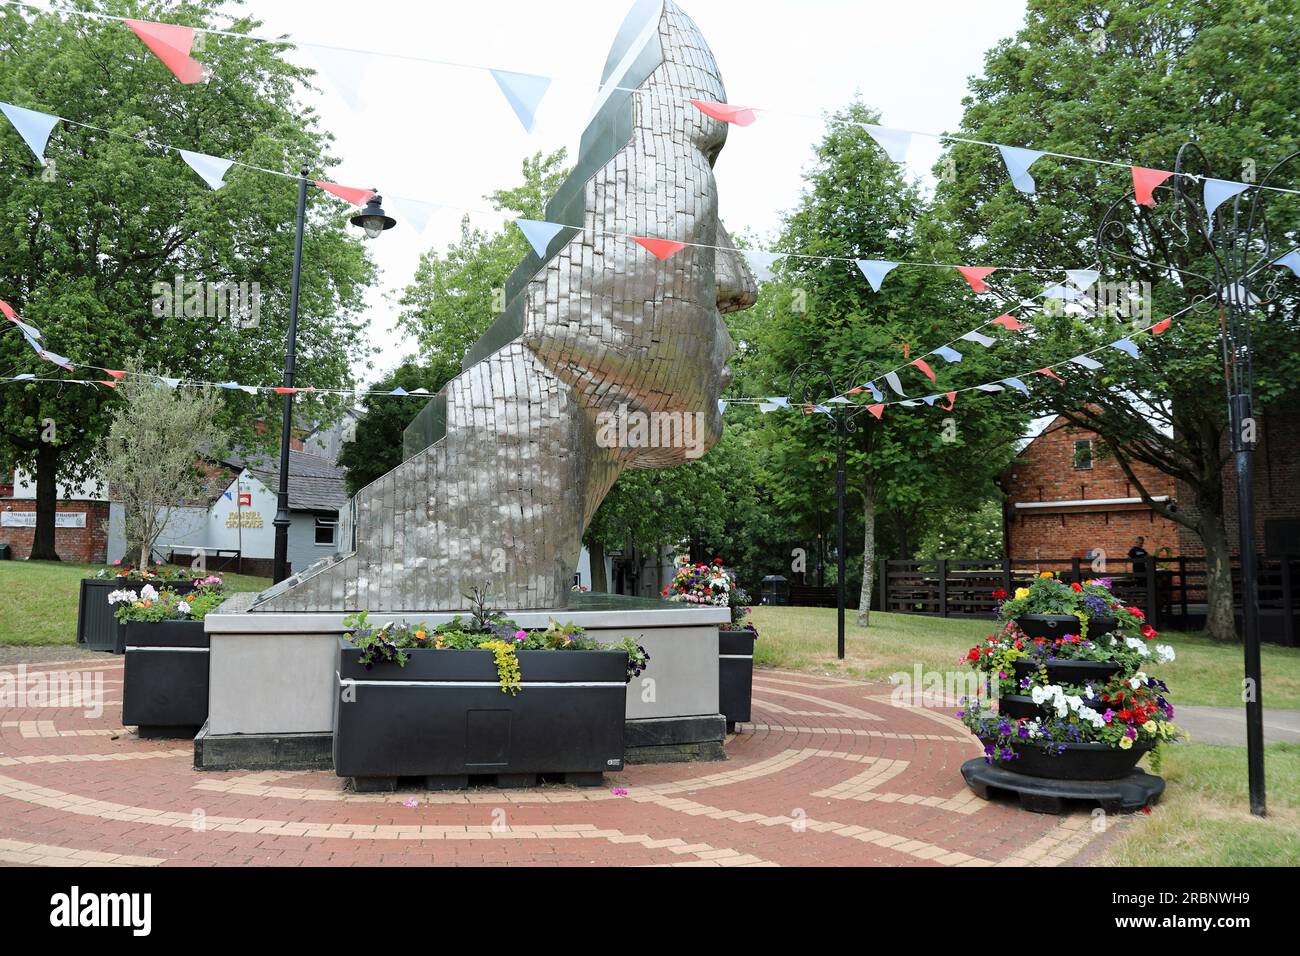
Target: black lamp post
pixel 1236 238
pixel 373 221
pixel 806 382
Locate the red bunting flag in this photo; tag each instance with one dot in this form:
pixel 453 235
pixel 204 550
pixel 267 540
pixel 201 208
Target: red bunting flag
pixel 1008 322
pixel 115 373
pixel 952 400
pixel 661 249
pixel 876 410
pixel 350 194
pixel 280 390
pixel 8 311
pixel 1144 181
pixel 108 381
pixel 1161 326
pixel 171 44
pixel 924 367
pixel 725 112
pixel 976 275
pixel 854 391
pixel 1050 374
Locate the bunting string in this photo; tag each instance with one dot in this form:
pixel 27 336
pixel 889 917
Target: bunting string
pixel 35 128
pixel 524 91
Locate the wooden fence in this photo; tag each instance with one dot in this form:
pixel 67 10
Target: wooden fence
pixel 1170 591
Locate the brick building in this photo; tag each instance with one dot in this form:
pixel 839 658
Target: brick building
pixel 1066 497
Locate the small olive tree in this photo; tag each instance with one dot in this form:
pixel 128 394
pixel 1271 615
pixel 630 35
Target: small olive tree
pixel 151 455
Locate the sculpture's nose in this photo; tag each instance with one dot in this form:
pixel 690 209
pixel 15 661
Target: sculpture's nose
pixel 737 288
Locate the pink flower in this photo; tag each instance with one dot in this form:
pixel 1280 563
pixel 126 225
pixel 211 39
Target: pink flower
pixel 521 635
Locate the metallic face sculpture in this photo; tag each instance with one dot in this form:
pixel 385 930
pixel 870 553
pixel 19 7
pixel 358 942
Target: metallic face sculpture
pixel 606 358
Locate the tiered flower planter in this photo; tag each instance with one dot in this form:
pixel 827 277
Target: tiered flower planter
pixel 444 718
pixel 165 678
pixel 1046 775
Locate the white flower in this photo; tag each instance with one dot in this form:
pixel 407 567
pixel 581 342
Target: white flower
pixel 1041 694
pixel 183 607
pixel 148 593
pixel 1164 653
pixel 1137 681
pixel 1139 646
pixel 120 596
pixel 1087 691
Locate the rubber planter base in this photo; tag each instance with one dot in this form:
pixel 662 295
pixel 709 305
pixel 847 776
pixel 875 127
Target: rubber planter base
pixel 1046 795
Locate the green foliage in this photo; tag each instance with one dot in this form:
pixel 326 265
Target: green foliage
pixel 84 240
pixel 1213 71
pixel 825 314
pixel 958 533
pixel 376 448
pixel 167 605
pixel 457 294
pixel 148 456
pixel 486 630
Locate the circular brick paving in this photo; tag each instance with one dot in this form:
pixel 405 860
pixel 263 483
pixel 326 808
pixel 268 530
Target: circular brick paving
pixel 830 772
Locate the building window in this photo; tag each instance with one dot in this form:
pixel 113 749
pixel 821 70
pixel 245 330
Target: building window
pixel 1083 453
pixel 325 531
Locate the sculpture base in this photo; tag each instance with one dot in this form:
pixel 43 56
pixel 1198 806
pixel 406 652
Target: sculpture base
pixel 272 681
pixel 263 751
pixel 1047 795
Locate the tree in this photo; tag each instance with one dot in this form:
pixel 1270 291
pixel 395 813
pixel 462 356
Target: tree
pixel 148 457
pixel 456 294
pixel 913 462
pixel 376 448
pixel 89 240
pixel 1130 82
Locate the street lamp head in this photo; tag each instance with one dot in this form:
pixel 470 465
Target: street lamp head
pixel 373 219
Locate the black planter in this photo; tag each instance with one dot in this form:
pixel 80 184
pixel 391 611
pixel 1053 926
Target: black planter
pixel 735 675
pixel 1072 673
pixel 97 628
pixel 1053 626
pixel 1090 761
pixel 165 679
pixel 444 717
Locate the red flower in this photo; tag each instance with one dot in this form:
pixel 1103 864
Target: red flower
pixel 1146 809
pixel 717 560
pixel 1076 586
pixel 1148 631
pixel 973 654
pixel 1000 595
pixel 1136 612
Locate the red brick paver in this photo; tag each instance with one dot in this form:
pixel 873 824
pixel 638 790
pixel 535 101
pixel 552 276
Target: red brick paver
pixel 830 772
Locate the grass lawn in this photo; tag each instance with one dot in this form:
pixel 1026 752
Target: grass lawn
pixel 38 599
pixel 1203 820
pixel 797 638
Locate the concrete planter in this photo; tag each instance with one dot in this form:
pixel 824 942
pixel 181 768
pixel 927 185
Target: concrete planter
pixel 444 718
pixel 275 681
pixel 165 679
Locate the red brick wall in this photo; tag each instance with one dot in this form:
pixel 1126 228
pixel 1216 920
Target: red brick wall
pixel 88 545
pixel 1045 471
pixel 1277 474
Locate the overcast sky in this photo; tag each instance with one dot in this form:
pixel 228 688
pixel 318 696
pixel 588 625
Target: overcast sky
pixel 446 134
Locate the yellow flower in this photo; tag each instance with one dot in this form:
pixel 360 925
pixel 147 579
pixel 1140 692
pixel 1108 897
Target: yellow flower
pixel 1022 593
pixel 1125 743
pixel 420 635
